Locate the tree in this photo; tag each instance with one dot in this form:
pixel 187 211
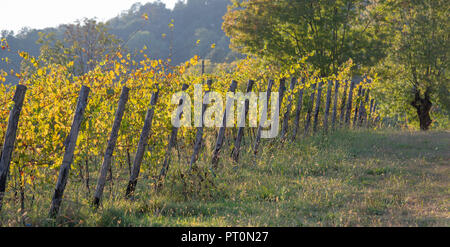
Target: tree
pixel 193 19
pixel 89 41
pixel 83 44
pixel 286 30
pixel 419 56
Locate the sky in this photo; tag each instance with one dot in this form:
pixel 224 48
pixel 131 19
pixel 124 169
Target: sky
pixel 15 14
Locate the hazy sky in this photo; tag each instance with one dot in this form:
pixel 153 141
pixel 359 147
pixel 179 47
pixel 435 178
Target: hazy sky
pixel 15 14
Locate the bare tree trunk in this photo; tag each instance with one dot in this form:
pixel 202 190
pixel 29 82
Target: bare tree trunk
pixel 142 146
pixel 10 138
pixel 68 154
pixel 111 146
pixel 423 106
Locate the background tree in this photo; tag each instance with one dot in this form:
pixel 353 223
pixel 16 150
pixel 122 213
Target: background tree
pixel 78 46
pixel 89 41
pixel 415 72
pixel 194 20
pixel 285 30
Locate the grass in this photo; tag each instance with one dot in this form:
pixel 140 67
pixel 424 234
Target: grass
pixel 347 178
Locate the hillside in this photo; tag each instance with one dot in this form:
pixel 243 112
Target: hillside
pixel 194 20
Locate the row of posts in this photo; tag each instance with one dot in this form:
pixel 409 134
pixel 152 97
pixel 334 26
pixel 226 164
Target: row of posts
pixel 360 116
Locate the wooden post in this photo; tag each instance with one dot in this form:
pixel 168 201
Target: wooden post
pixel 318 99
pixel 348 111
pixel 220 137
pixel 199 135
pixel 10 138
pixel 377 117
pixel 366 102
pixel 298 111
pixel 106 165
pixel 369 116
pixel 281 90
pixel 172 141
pixel 142 145
pixel 310 108
pixel 335 102
pixel 284 129
pixel 237 144
pixel 68 153
pixel 203 66
pixel 327 105
pixel 344 98
pixel 362 107
pixel 372 104
pixel 258 132
pixel 360 91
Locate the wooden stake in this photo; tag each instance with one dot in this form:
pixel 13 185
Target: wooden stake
pixel 106 165
pixel 285 126
pixel 199 135
pixel 258 132
pixel 10 138
pixel 68 154
pixel 298 111
pixel 220 137
pixel 237 144
pixel 335 102
pixel 142 146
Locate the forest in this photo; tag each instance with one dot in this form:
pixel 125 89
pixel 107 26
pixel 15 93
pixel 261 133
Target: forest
pixel 359 89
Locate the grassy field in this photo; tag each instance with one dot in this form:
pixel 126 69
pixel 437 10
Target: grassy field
pixel 348 178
